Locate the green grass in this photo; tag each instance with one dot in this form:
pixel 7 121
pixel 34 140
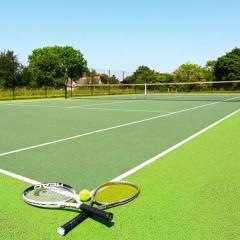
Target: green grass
pixel 191 193
pixel 31 93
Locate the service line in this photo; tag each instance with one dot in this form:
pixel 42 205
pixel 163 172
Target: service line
pixel 107 129
pixel 85 107
pixel 142 165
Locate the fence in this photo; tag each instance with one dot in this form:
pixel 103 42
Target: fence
pixel 30 93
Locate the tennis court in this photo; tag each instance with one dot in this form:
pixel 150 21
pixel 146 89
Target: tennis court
pixel 84 142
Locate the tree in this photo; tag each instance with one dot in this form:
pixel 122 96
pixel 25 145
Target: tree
pixel 113 80
pixel 26 77
pixel 163 77
pixel 227 67
pixel 49 64
pixel 10 69
pixel 128 80
pixel 209 70
pixel 189 72
pixel 104 78
pixel 144 75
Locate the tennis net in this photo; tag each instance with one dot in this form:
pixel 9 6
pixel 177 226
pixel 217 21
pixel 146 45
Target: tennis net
pixel 179 91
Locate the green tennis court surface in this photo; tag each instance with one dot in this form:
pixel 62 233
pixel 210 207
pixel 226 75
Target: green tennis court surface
pixel 190 193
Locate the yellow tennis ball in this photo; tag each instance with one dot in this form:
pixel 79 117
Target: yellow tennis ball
pixel 85 195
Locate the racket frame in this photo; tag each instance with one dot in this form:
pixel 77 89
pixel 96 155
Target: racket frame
pixel 103 205
pixel 60 204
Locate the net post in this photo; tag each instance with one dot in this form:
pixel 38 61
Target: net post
pixel 145 90
pixel 45 90
pixel 13 77
pixel 65 88
pixel 92 76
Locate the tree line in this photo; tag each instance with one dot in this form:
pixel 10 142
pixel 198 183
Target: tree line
pixel 50 66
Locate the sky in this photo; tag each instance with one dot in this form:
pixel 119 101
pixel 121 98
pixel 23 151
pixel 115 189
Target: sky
pixel 123 35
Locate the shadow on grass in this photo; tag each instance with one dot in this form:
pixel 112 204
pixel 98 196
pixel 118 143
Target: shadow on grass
pixel 102 221
pixel 94 217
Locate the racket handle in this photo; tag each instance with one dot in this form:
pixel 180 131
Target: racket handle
pixel 64 229
pixel 108 216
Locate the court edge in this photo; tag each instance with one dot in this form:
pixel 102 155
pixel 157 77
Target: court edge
pixel 151 160
pixel 142 165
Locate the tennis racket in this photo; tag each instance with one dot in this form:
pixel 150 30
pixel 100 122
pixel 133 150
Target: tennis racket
pixel 105 196
pixel 59 195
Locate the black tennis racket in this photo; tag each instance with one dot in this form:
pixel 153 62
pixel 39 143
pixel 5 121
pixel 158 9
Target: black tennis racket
pixel 105 196
pixel 59 195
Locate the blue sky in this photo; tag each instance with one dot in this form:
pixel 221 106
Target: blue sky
pixel 124 34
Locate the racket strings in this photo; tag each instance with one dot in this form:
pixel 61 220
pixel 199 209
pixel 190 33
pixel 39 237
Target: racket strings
pixel 115 193
pixel 49 195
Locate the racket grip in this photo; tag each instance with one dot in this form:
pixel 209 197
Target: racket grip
pixel 108 216
pixel 64 229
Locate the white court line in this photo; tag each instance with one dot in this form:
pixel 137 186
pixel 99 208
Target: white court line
pixel 22 178
pixel 110 103
pixel 107 129
pixel 85 105
pixel 140 166
pixel 153 159
pixel 31 100
pixel 31 105
pixel 123 110
pixel 88 108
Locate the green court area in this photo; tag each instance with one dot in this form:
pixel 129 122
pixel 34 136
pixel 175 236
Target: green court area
pixel 190 193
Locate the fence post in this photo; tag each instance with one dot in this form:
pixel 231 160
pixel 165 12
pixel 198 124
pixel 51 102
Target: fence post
pixel 46 96
pixel 13 77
